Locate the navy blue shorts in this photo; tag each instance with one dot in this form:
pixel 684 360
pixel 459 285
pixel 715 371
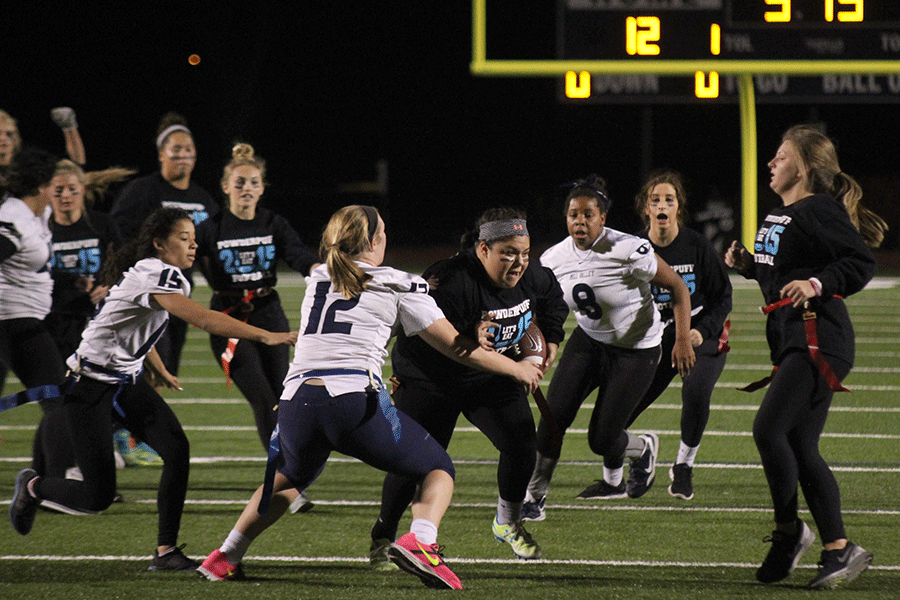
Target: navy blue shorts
pixel 312 424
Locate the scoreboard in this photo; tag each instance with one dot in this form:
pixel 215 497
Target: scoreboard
pixel 853 43
pixel 852 47
pixel 771 30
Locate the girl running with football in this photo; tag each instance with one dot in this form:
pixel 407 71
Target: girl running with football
pixel 490 277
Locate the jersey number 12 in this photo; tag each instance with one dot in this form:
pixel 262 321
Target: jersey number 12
pixel 329 324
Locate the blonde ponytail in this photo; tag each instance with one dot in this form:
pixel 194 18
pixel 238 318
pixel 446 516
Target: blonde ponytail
pixel 346 236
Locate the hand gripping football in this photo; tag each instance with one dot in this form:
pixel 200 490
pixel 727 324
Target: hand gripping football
pixel 531 346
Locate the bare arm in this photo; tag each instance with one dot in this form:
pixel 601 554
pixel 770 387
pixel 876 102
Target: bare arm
pixel 218 323
pixel 158 373
pixel 444 337
pixel 683 353
pixel 74 146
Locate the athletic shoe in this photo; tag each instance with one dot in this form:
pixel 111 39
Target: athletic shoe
pixel 142 455
pixel 515 535
pixel 23 506
pixel 425 562
pixel 643 469
pixel 604 491
pixel 134 453
pixel 682 485
pixel 301 504
pixel 67 510
pixel 217 568
pixel 379 555
pixel 534 511
pixel 841 566
pixel 785 553
pixel 174 560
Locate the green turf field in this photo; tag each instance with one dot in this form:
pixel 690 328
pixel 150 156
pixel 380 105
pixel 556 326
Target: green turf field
pixel 653 547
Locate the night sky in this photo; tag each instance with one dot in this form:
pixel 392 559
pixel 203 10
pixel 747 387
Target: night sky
pixel 324 90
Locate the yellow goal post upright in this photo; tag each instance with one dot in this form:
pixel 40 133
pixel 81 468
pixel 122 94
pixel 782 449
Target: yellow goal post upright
pixel 744 68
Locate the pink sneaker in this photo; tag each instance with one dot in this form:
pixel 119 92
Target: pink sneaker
pixel 426 562
pixel 217 568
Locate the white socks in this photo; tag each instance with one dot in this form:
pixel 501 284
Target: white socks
pixel 612 476
pixel 686 454
pixel 235 546
pixel 508 512
pixel 540 479
pixel 425 531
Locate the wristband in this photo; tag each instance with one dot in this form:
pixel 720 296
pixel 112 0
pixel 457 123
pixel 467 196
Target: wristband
pixel 816 285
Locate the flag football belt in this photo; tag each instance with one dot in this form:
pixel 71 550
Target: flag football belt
pixel 812 344
pixel 35 394
pixel 228 354
pixel 123 379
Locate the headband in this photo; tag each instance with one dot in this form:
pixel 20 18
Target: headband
pixel 588 184
pixel 493 230
pixel 372 218
pixel 161 138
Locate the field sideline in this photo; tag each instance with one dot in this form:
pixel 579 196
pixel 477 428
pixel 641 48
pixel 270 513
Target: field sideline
pixel 653 547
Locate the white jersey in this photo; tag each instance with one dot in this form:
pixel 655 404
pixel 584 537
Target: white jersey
pixel 608 289
pixel 26 287
pixel 130 320
pixel 336 333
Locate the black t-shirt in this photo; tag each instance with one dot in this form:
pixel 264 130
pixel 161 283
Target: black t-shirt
pixel 812 237
pixel 695 260
pixel 78 250
pixel 466 294
pixel 243 255
pixel 145 194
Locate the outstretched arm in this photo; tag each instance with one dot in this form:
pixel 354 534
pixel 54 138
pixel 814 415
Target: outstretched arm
pixel 220 324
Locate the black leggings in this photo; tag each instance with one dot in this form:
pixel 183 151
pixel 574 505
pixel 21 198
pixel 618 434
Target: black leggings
pixel 257 369
pixel 787 430
pixel 696 389
pixel 622 377
pixel 498 408
pixel 28 349
pixel 88 407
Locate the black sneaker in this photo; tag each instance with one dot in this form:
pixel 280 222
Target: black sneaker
pixel 643 470
pixel 604 491
pixel 785 553
pixel 534 511
pixel 682 484
pixel 174 560
pixel 23 506
pixel 841 566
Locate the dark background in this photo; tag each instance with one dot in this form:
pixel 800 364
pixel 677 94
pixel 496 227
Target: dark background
pixel 324 90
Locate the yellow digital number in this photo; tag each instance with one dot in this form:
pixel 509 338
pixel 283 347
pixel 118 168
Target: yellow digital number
pixel 640 35
pixel 845 16
pixel 702 89
pixel 715 39
pixel 783 15
pixel 578 85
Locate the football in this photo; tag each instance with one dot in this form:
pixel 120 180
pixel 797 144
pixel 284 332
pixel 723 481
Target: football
pixel 531 346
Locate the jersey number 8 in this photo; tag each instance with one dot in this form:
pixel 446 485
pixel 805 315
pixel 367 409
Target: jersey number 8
pixel 586 301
